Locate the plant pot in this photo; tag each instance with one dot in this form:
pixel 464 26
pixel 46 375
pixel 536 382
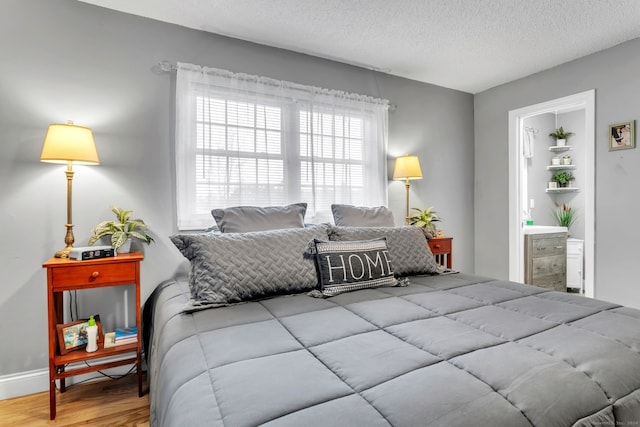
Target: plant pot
pixel 566 161
pixel 555 161
pixel 552 184
pixel 561 142
pixel 125 248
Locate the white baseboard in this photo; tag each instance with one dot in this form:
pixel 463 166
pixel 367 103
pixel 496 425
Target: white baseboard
pixel 36 381
pixel 24 383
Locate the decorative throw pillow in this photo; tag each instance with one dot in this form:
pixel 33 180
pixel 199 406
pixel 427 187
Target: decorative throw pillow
pixel 236 267
pixel 349 266
pixel 362 216
pixel 242 219
pixel 410 253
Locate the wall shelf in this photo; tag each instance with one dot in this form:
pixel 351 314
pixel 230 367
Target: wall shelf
pixel 560 148
pixel 560 167
pixel 562 190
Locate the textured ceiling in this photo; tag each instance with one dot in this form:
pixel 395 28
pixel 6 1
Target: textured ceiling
pixel 470 45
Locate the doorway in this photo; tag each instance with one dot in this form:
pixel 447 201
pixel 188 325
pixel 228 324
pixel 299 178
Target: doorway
pixel 519 201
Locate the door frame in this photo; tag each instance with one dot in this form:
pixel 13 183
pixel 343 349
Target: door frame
pixel 517 181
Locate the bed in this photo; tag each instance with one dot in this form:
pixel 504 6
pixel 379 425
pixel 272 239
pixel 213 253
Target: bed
pixel 442 350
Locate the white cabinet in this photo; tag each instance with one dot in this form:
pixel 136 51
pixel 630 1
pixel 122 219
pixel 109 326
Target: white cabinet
pixel 575 262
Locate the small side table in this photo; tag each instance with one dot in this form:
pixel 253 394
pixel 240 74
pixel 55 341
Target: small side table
pixel 65 274
pixel 442 250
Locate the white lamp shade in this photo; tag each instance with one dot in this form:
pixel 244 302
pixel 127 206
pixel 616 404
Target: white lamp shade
pixel 407 167
pixel 69 142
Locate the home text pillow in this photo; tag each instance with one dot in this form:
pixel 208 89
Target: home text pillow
pixel 410 253
pixel 242 219
pixel 236 267
pixel 361 216
pixel 353 265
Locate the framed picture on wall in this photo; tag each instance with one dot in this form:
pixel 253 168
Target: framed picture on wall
pixel 622 136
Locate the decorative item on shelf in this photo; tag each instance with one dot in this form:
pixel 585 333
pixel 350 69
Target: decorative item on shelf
pixel 439 233
pixel 560 136
pixel 73 335
pixel 552 184
pixel 407 168
pixel 566 160
pixel 564 216
pixel 121 231
pixel 425 219
pixel 563 178
pixel 69 143
pixel 555 161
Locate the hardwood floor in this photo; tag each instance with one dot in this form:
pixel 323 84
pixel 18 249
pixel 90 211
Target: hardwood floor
pixel 100 403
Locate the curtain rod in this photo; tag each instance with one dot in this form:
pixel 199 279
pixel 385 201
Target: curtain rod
pixel 166 67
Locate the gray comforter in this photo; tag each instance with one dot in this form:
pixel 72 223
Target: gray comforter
pixel 451 350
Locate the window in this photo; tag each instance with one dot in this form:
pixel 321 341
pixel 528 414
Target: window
pixel 247 140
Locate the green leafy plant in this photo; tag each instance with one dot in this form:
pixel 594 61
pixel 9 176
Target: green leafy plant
pixel 561 134
pixel 562 177
pixel 121 229
pixel 564 216
pixel 425 219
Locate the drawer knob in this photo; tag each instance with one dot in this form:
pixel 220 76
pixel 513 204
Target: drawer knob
pixel 559 247
pixel 95 274
pixel 437 246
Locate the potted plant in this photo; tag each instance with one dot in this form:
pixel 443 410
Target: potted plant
pixel 564 216
pixel 121 230
pixel 563 178
pixel 425 219
pixel 566 159
pixel 561 136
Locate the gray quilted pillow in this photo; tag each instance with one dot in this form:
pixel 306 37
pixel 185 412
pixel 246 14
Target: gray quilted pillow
pixel 408 247
pixel 235 267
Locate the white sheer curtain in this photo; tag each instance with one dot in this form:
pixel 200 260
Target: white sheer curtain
pixel 250 140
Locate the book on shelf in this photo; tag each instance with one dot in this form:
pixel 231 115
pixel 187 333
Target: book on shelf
pixel 126 334
pixel 110 340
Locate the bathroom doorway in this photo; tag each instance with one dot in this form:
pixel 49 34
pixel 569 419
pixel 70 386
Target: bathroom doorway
pixel 528 196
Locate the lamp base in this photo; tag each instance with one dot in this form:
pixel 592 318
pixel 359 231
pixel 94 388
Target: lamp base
pixel 64 253
pixel 69 239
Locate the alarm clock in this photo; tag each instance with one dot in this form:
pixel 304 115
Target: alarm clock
pixel 91 252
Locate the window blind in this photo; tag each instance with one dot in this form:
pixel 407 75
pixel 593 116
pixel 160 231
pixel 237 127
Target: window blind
pixel 249 140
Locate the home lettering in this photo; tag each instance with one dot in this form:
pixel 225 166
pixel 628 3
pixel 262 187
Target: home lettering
pixel 354 267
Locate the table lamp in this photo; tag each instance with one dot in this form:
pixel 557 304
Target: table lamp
pixel 68 143
pixel 407 168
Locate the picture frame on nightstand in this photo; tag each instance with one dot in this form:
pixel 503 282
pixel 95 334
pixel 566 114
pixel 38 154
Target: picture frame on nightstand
pixel 73 335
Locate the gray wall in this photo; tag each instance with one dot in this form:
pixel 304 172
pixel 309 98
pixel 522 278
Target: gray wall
pixel 614 75
pixel 65 60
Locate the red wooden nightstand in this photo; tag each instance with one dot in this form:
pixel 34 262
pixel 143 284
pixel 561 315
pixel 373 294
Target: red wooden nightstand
pixel 66 274
pixel 442 250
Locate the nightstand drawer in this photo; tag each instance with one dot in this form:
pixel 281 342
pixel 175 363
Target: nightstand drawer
pixel 95 274
pixel 440 246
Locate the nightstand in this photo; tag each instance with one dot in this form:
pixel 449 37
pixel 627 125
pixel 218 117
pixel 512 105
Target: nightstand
pixel 442 250
pixel 66 274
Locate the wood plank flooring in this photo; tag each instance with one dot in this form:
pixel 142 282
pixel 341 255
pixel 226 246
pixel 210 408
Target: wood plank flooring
pixel 100 403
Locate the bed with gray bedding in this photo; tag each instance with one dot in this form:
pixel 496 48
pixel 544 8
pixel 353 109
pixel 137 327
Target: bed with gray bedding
pixel 446 350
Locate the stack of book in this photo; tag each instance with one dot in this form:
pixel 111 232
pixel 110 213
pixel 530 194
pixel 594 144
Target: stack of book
pixel 126 335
